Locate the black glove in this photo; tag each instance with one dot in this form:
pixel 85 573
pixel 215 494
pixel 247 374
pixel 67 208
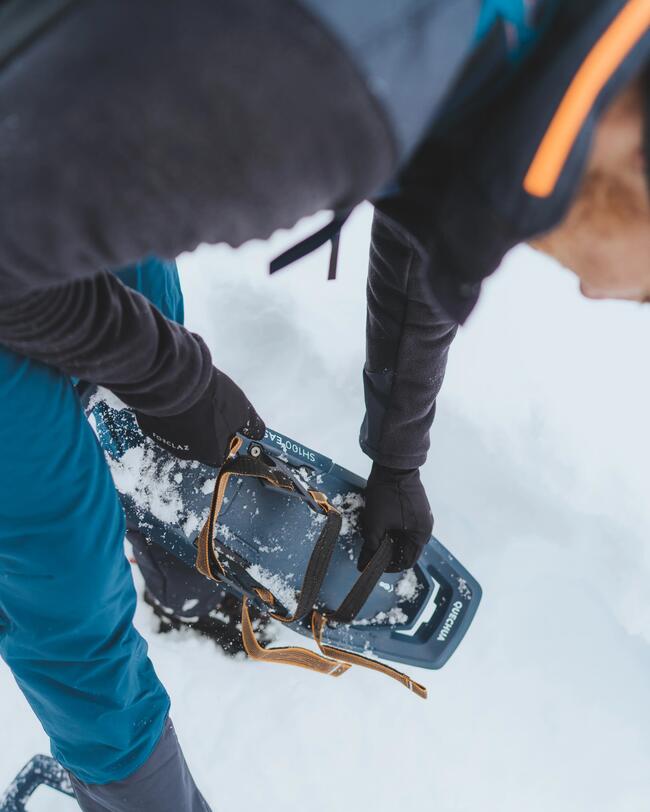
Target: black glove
pixel 205 430
pixel 395 504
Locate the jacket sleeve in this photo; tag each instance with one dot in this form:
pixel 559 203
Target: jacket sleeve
pixel 407 340
pixel 101 331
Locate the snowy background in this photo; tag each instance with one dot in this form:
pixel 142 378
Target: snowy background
pixel 538 481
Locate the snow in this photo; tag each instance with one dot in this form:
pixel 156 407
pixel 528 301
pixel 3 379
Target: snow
pixel 393 617
pixel 153 488
pixel 282 590
pixel 208 486
pixel 538 481
pixel 349 506
pixel 154 485
pixel 407 587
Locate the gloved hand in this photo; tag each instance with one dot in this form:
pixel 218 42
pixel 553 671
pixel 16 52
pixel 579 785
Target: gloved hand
pixel 395 504
pixel 205 430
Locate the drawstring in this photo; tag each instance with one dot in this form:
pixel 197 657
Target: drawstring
pixel 329 232
pixel 334 256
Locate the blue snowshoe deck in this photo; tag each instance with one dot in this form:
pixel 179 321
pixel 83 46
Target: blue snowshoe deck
pixel 267 535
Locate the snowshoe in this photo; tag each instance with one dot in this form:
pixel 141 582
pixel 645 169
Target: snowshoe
pixel 278 525
pixel 38 771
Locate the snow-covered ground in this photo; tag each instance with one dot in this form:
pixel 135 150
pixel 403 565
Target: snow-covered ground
pixel 538 481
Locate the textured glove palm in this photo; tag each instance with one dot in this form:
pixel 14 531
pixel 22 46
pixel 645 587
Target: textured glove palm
pixel 396 504
pixel 205 430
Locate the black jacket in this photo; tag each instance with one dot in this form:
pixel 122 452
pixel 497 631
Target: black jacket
pixel 223 121
pixel 489 175
pixel 136 129
pixel 407 338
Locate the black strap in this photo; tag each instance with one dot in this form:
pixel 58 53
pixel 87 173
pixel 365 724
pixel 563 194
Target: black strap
pixel 311 243
pixel 334 256
pixel 317 567
pixel 364 585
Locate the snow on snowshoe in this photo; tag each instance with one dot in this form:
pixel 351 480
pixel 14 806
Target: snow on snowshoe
pixel 279 524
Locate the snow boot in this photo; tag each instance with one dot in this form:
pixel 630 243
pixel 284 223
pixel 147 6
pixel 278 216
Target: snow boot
pixel 222 624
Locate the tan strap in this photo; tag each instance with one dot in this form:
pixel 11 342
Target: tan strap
pixel 289 655
pixel 318 623
pixel 333 662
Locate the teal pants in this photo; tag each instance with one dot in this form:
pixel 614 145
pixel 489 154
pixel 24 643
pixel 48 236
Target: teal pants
pixel 66 593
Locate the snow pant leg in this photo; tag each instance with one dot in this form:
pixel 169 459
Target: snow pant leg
pixel 163 784
pixel 66 592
